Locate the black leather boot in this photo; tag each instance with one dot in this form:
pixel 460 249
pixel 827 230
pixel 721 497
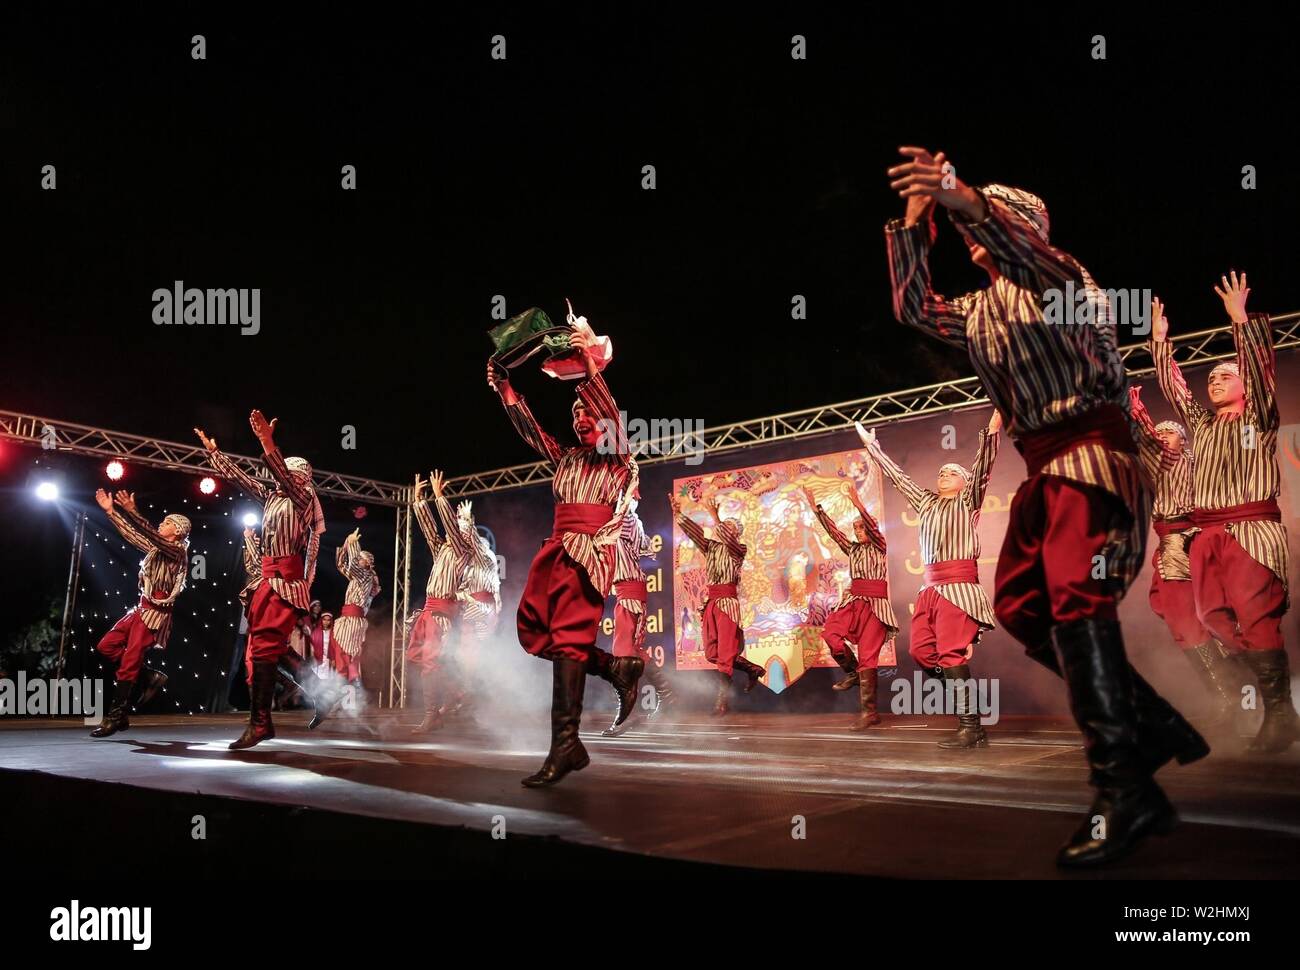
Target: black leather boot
pixel 260 691
pixel 429 694
pixel 1129 805
pixel 970 733
pixel 1163 733
pixel 151 682
pixel 752 670
pixel 663 688
pixel 1281 727
pixel 868 718
pixel 721 700
pixel 568 681
pixel 115 718
pixel 621 673
pixel 849 664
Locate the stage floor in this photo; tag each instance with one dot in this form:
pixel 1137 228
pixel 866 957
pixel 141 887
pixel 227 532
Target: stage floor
pixel 888 803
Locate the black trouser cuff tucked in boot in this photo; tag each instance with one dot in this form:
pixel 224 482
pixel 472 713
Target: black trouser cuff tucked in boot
pixel 970 733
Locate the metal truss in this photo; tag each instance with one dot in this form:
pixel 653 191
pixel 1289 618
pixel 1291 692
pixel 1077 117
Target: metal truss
pixel 1203 346
pixel 80 439
pixel 401 606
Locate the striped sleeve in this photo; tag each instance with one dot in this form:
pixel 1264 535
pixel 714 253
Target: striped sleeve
pixel 694 532
pixel 292 485
pixel 1172 385
pixel 1018 252
pixel 1152 452
pixel 912 492
pixel 838 537
pixel 428 526
pixel 128 531
pixel 451 529
pixel 252 555
pixel 172 550
pixel 343 559
pixel 522 418
pixel 875 537
pixel 981 470
pixel 229 470
pixel 595 397
pixel 915 303
pixel 1258 366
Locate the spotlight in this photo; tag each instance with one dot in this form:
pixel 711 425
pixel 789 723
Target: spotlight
pixel 250 520
pixel 47 492
pixel 114 470
pixel 208 485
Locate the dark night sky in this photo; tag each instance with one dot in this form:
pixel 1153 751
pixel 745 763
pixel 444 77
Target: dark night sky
pixel 522 178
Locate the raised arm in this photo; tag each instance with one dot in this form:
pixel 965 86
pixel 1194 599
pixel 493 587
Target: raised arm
pixel 1151 450
pixel 734 546
pixel 832 530
pixel 913 493
pixel 1018 252
pixel 125 504
pixel 463 546
pixel 1256 360
pixel 915 301
pixel 424 517
pixel 299 491
pixel 982 468
pixel 595 396
pixel 345 557
pixel 121 522
pixel 1168 374
pixel 228 470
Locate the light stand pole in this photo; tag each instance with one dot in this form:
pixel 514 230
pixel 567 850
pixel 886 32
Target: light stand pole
pixel 70 599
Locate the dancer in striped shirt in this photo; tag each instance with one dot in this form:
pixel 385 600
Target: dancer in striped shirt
pixel 430 626
pixel 363 586
pixel 952 611
pixel 147 624
pixel 864 619
pixel 1078 525
pixel 292 522
pixel 1239 551
pixel 724 637
pixel 1168 458
pixel 564 596
pixel 478 600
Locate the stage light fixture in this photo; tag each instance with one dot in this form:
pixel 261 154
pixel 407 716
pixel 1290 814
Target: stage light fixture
pixel 47 492
pixel 208 486
pixel 114 470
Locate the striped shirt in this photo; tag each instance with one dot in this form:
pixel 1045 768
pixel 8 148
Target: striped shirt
pixel 723 558
pixel 162 570
pixel 1236 455
pixel 444 577
pixel 633 546
pixel 585 475
pixel 1171 472
pixel 866 561
pixel 363 585
pixel 1037 373
pixel 947 527
pixel 289 523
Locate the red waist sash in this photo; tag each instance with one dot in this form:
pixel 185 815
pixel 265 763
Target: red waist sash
pixel 1265 510
pixel 1105 425
pixel 288 568
pixel 719 591
pixel 634 589
pixel 351 609
pixel 952 571
pixel 584 517
pixel 443 607
pixel 1166 527
pixel 147 604
pixel 483 596
pixel 874 588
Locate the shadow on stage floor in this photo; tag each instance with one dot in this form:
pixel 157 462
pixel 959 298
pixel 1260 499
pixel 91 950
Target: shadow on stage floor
pixel 682 797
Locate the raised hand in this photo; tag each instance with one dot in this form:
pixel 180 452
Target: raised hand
pixel 1233 295
pixel 104 500
pixel 868 437
pixel 209 443
pixel 932 177
pixel 420 485
pixel 438 480
pixel 1159 322
pixel 995 421
pixel 248 532
pixel 126 500
pixel 263 429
